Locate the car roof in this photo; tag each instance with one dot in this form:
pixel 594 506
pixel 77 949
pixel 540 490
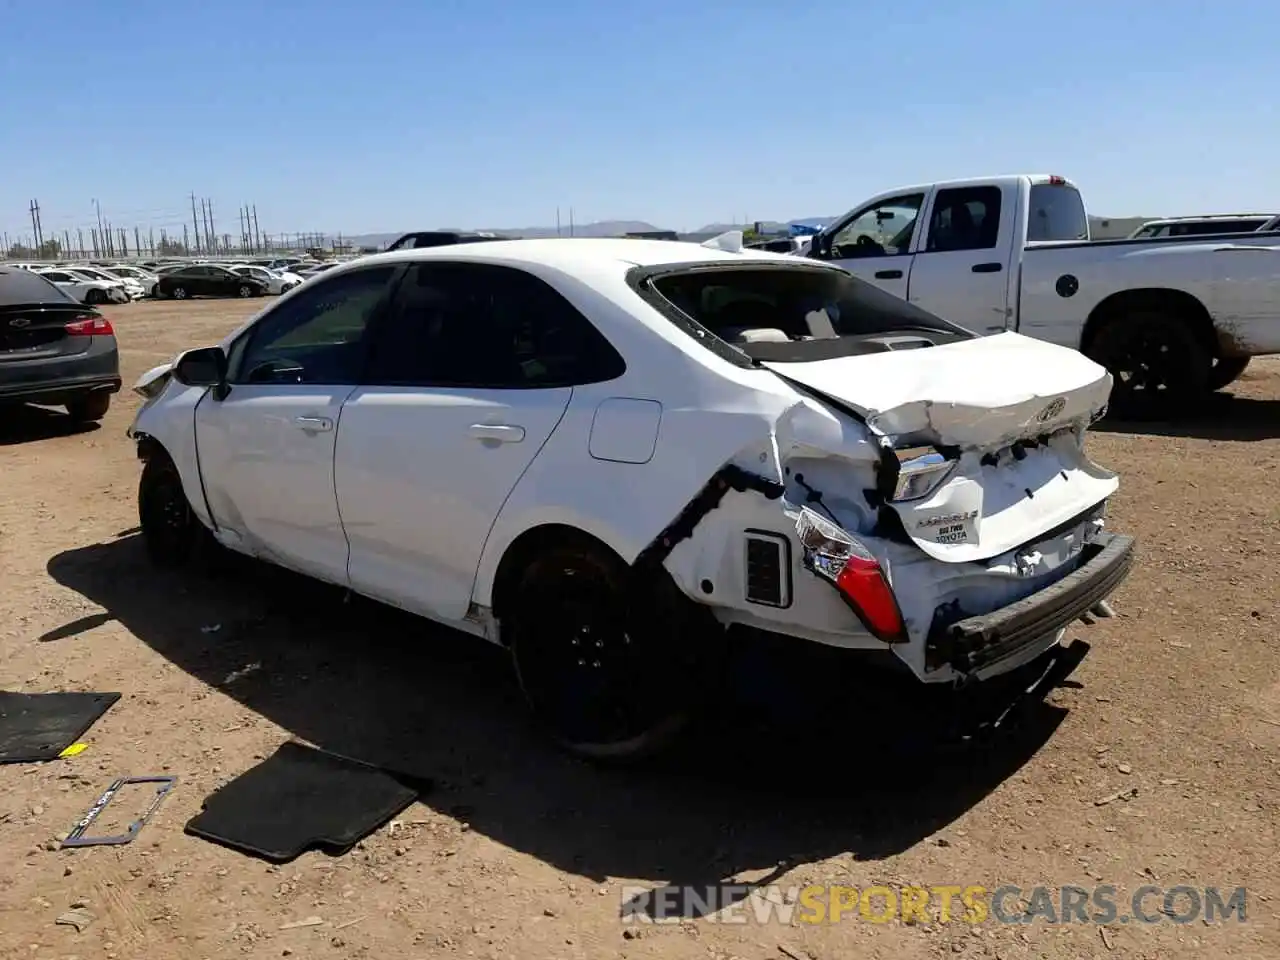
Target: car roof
pixel 577 254
pixel 26 286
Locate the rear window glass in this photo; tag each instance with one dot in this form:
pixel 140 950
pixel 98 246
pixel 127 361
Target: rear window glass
pixel 20 287
pixel 1057 213
pixel 785 313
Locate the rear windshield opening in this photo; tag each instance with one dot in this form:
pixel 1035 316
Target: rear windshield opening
pixel 1057 213
pixel 791 313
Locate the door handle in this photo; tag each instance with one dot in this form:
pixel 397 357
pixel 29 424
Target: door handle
pixel 497 432
pixel 888 274
pixel 316 424
pixel 987 267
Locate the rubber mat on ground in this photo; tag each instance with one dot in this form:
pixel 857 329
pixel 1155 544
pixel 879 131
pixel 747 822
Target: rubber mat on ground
pixel 39 726
pixel 301 798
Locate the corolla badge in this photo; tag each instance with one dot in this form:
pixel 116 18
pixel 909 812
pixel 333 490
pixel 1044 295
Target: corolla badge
pixel 19 322
pixel 1052 410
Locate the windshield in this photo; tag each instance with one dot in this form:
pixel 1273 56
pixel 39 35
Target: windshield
pixel 1057 213
pixel 785 313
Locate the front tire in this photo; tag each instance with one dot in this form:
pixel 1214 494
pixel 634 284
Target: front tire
pixel 1226 371
pixel 245 291
pixel 613 671
pixel 89 408
pixel 170 529
pixel 1159 365
pixel 95 297
pixel 179 293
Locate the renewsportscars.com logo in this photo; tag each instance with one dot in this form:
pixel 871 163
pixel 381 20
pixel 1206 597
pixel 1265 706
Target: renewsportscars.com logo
pixel 971 903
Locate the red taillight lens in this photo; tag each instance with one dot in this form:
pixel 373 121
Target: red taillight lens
pixel 862 583
pixel 90 327
pixel 836 556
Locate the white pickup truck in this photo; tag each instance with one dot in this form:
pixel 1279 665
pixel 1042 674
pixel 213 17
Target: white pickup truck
pixel 1170 318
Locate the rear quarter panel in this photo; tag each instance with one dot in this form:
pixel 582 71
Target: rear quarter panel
pixel 1062 286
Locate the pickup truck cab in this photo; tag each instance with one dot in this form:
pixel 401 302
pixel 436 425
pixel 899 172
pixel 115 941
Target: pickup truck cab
pixel 1169 318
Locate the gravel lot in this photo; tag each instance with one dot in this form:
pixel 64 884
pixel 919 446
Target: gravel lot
pixel 520 852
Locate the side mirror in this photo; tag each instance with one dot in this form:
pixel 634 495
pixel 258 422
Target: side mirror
pixel 205 367
pixel 819 246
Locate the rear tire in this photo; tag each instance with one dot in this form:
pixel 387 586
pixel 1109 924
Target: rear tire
pixel 245 290
pixel 1226 371
pixel 173 534
pixel 614 673
pixel 90 407
pixel 1159 365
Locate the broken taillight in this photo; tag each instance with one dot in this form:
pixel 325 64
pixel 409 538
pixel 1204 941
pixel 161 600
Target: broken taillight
pixel 920 471
pixel 838 557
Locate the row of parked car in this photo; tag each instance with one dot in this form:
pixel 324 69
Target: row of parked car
pixel 100 282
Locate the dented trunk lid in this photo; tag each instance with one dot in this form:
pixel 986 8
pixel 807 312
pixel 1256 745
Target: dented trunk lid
pixel 1009 405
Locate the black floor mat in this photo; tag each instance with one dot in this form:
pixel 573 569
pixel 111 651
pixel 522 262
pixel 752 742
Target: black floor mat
pixel 299 798
pixel 39 726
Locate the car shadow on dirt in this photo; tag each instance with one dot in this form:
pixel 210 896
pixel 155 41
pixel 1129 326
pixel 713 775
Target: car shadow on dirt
pixel 27 424
pixel 805 765
pixel 1220 417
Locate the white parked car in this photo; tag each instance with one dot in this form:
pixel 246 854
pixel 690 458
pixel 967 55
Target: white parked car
pixel 607 454
pixel 84 288
pixel 277 282
pixel 132 289
pixel 145 280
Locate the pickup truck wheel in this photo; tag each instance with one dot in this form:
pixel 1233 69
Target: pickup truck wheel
pixel 90 407
pixel 1226 371
pixel 1159 364
pixel 611 676
pixel 173 534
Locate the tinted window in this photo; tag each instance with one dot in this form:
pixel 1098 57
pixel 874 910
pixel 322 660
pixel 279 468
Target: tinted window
pixel 477 325
pixel 1202 228
pixel 1056 213
pixel 965 219
pixel 317 337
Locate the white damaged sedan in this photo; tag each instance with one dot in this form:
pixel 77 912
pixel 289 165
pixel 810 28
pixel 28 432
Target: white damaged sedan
pixel 608 455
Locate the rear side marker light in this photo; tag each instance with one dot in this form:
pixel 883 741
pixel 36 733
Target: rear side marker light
pixel 90 327
pixel 838 557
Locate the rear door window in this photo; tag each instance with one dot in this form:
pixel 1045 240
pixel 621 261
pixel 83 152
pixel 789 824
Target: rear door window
pixel 965 218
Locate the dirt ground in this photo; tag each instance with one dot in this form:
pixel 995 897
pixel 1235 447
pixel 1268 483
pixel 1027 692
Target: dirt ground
pixel 521 852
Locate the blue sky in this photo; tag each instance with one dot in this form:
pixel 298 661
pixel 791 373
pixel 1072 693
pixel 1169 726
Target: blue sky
pixel 379 116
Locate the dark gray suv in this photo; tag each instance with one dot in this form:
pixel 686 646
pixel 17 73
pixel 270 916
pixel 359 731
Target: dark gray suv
pixel 53 349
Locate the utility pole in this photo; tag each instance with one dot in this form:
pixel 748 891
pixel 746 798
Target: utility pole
pixel 195 226
pixel 186 243
pixel 79 241
pixel 204 219
pixel 66 243
pixel 98 210
pixel 571 221
pixel 213 231
pixel 93 233
pixel 35 227
pixel 124 243
pixel 557 221
pixel 151 240
pixel 257 237
pixel 137 242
